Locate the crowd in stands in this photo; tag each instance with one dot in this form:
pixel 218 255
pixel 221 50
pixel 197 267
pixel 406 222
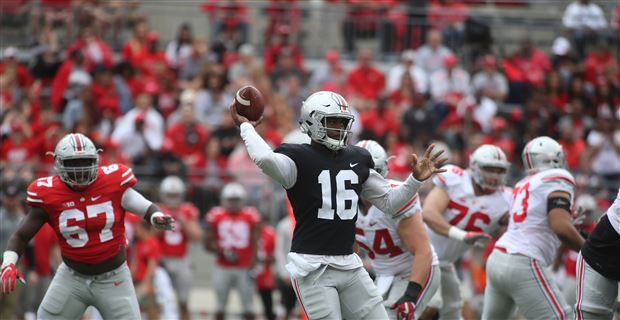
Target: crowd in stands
pixel 99 68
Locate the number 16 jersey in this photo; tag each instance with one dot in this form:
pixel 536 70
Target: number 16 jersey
pixel 89 224
pixel 466 210
pixel 325 197
pixel 529 232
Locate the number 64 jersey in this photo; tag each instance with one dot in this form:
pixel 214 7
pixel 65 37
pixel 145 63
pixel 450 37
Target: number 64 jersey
pixel 89 224
pixel 466 210
pixel 528 231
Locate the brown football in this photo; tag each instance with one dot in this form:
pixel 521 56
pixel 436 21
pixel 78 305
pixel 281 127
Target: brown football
pixel 249 103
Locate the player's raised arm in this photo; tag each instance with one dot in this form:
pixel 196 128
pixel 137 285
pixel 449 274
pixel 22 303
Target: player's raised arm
pixel 394 200
pixel 276 165
pixel 16 246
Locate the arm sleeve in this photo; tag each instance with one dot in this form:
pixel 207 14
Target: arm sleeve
pixel 393 201
pixel 276 165
pixel 134 202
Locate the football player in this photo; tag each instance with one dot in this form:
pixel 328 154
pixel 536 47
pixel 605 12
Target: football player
pixel 324 181
pixel 398 246
pixel 173 243
pixel 464 207
pixel 598 268
pixel 540 220
pixel 233 234
pixel 85 205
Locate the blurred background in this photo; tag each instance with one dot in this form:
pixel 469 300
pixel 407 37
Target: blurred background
pixel 150 82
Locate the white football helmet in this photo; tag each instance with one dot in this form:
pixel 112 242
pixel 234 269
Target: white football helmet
pixel 482 160
pixel 172 191
pixel 378 154
pixel 543 153
pixel 317 109
pixel 76 160
pixel 233 196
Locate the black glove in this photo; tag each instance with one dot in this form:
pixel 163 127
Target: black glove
pixel 405 306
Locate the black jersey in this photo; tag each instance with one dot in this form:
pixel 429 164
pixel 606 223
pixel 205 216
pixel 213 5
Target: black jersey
pixel 602 250
pixel 325 196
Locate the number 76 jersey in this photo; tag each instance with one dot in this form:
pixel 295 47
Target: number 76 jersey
pixel 528 231
pixel 89 224
pixel 466 211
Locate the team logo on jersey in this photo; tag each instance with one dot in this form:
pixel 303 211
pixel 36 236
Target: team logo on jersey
pixel 69 204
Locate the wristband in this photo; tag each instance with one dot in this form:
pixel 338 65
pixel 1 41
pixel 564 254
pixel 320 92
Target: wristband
pixel 456 233
pixel 413 290
pixel 9 257
pixel 156 215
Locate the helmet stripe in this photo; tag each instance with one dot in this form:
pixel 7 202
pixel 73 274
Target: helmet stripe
pixel 527 156
pixel 78 142
pixel 499 154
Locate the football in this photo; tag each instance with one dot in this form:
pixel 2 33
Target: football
pixel 249 103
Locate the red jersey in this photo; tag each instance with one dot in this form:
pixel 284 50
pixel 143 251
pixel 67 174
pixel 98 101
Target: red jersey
pixel 174 243
pixel 266 248
pixel 234 232
pixel 89 224
pixel 44 241
pixel 146 250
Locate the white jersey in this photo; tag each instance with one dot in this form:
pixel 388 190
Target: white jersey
pixel 528 231
pixel 466 210
pixel 377 233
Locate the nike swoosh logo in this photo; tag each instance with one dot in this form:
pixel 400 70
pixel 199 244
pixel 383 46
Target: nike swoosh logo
pixel 95 198
pixel 372 224
pixel 118 283
pixel 353 164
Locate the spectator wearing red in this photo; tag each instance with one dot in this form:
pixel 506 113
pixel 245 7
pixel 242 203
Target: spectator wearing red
pixel 449 17
pixel 525 68
pixel 556 93
pixel 147 254
pixel 366 81
pixel 11 64
pixel 18 147
pixel 379 122
pixel 500 136
pixel 187 137
pixel 572 143
pixel 363 19
pixel 265 280
pixel 598 63
pixel 74 67
pixel 136 48
pixel 222 14
pixel 282 44
pixel 104 96
pixel 154 61
pixel 282 13
pixel 94 49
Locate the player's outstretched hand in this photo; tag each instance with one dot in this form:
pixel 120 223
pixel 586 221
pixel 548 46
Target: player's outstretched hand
pixel 239 119
pixel 162 221
pixel 431 163
pixel 9 277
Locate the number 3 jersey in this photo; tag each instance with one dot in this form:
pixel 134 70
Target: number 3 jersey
pixel 466 210
pixel 528 231
pixel 89 224
pixel 377 233
pixel 325 197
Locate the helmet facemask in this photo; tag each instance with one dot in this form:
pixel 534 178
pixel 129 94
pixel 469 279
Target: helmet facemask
pixel 79 171
pixel 332 136
pixel 489 178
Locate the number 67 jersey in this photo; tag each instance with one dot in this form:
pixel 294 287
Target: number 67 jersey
pixel 528 231
pixel 466 210
pixel 89 224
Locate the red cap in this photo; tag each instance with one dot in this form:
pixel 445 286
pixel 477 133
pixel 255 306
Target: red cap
pixel 332 56
pixel 151 87
pixel 498 123
pixel 450 60
pixel 284 30
pixel 152 36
